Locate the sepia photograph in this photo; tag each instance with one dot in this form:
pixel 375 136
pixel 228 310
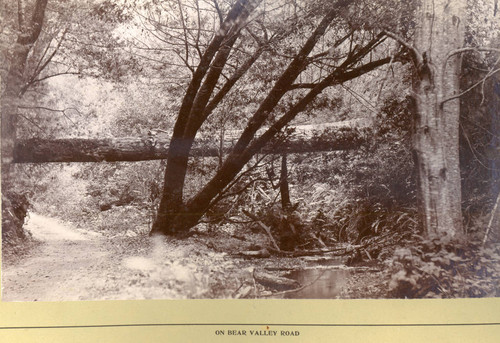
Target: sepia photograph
pixel 250 149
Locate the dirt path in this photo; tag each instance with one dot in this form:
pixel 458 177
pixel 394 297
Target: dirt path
pixel 73 264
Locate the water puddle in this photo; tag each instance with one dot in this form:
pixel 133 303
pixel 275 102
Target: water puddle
pixel 324 283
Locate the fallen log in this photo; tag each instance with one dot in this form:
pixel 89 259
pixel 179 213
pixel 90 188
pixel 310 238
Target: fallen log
pixel 38 150
pixel 275 282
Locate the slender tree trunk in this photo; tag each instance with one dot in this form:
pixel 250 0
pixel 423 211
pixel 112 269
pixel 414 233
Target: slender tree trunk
pixel 494 222
pixel 29 30
pixel 11 224
pixel 436 129
pixel 10 99
pixel 493 110
pixel 284 189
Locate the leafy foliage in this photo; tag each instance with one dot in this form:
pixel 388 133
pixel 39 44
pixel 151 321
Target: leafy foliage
pixel 442 267
pixel 479 141
pixel 18 205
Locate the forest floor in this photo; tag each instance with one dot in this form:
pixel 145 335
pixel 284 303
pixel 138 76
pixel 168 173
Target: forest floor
pixel 75 264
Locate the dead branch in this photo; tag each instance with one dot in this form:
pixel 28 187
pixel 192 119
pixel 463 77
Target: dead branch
pixel 494 213
pixel 337 251
pixel 265 227
pixel 490 74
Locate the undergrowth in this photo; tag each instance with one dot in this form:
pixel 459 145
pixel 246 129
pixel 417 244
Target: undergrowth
pixel 445 267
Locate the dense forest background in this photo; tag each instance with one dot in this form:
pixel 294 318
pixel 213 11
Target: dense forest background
pixel 336 81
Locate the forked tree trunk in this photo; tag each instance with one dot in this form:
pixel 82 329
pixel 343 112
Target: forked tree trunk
pixel 236 160
pixel 176 215
pixel 193 112
pixel 436 130
pixel 173 214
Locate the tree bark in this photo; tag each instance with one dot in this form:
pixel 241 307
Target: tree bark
pixel 131 149
pixel 435 83
pixel 29 31
pixel 28 35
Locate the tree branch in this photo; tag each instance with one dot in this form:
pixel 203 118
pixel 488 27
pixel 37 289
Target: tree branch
pixel 198 110
pixel 203 67
pixel 334 78
pixel 462 50
pixel 186 47
pixel 417 57
pixel 284 82
pixel 490 74
pixel 39 68
pixel 231 82
pixel 219 13
pixel 56 74
pixel 21 15
pixel 335 45
pixel 53 110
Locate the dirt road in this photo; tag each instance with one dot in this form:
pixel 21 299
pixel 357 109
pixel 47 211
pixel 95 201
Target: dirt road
pixel 72 264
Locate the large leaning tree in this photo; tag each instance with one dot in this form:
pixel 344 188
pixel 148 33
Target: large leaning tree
pixel 244 38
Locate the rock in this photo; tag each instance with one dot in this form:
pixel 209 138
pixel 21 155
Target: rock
pixel 262 253
pixel 130 233
pixel 275 282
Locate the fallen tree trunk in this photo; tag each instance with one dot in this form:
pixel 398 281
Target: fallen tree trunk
pixel 37 150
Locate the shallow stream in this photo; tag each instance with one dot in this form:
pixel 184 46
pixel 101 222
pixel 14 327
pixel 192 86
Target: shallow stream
pixel 323 283
pixel 323 277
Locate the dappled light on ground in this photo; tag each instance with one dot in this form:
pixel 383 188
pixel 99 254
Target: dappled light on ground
pixel 71 264
pixel 49 229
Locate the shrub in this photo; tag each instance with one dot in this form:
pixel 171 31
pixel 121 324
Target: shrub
pixel 444 267
pixel 14 210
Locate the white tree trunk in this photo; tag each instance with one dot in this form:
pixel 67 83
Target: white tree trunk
pixel 436 129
